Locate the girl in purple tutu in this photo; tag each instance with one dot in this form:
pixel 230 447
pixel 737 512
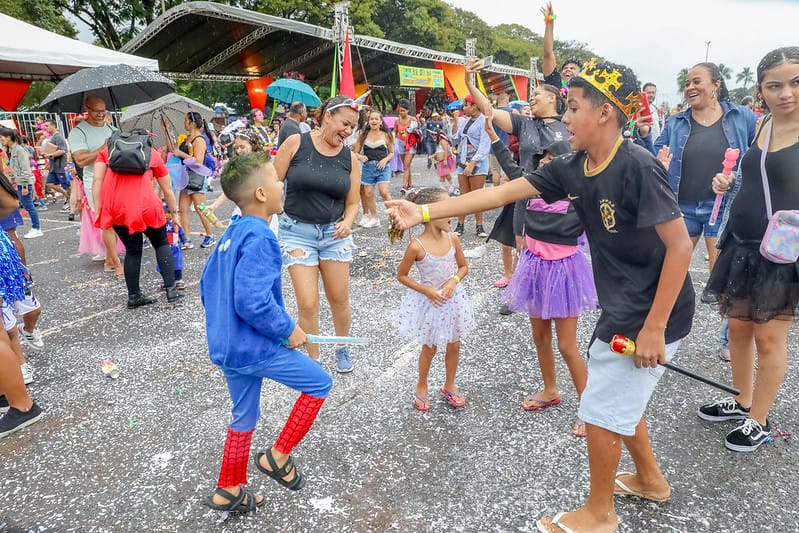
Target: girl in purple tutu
pixel 435 310
pixel 553 281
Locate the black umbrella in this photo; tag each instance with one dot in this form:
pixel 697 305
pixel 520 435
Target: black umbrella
pixel 118 85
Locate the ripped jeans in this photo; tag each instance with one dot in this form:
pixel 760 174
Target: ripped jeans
pixel 315 240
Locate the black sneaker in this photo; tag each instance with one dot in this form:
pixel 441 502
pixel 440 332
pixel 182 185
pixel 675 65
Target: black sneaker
pixel 14 419
pixel 748 436
pixel 172 294
pixel 3 403
pixel 726 409
pixel 480 231
pixel 459 229
pixel 138 300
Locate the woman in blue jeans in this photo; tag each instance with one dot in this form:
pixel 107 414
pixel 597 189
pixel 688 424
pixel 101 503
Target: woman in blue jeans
pixel 20 164
pixel 698 138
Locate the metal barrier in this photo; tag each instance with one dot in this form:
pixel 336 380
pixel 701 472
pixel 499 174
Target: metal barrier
pixel 28 122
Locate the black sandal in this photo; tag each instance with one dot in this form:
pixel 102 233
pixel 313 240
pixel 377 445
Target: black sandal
pixel 278 474
pixel 236 502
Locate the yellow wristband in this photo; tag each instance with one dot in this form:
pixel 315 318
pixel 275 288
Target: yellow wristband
pixel 425 213
pixel 456 278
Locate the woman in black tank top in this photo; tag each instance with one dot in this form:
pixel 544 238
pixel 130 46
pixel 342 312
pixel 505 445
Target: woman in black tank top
pixel 758 296
pixel 375 150
pixel 322 181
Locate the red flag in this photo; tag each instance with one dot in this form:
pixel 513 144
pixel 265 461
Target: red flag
pixel 347 87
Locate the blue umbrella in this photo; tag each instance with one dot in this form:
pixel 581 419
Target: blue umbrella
pixel 289 90
pixel 457 104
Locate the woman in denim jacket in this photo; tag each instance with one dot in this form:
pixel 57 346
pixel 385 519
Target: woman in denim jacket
pixel 693 139
pixel 697 139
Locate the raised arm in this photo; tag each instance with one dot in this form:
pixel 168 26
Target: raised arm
pixel 550 63
pixel 500 117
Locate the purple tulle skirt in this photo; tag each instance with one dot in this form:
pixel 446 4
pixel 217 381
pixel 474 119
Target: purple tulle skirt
pixel 544 289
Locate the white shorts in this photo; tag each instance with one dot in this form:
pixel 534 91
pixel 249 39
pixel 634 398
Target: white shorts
pixel 21 307
pixel 617 393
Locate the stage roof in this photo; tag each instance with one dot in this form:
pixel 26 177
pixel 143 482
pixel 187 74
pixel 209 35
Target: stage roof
pixel 210 41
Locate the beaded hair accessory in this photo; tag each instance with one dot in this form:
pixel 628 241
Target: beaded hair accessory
pixel 609 82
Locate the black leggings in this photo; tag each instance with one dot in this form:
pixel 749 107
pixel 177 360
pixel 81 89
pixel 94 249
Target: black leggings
pixel 133 250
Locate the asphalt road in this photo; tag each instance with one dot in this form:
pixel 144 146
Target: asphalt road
pixel 141 452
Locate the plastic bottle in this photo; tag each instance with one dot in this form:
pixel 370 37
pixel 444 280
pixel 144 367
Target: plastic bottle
pixel 109 369
pixel 202 208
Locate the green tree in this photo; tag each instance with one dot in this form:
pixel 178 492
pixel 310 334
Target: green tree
pixel 682 78
pixel 42 13
pixel 515 44
pixel 726 72
pixel 746 76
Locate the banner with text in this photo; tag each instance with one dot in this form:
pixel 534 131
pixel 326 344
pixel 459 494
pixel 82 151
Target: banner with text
pixel 420 77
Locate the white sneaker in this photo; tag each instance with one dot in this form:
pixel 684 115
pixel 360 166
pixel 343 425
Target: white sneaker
pixel 97 258
pixel 27 373
pixel 33 233
pixel 371 223
pixel 34 340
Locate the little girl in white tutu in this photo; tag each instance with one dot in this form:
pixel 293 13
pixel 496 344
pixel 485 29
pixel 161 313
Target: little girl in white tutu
pixel 435 309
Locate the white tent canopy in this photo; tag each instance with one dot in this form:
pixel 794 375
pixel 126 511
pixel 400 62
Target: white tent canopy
pixel 31 53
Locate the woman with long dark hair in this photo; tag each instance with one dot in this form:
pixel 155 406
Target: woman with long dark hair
pixel 758 296
pixel 198 143
pixel 375 150
pixel 19 160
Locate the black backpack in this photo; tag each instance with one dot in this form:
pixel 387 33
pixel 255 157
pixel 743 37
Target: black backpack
pixel 129 152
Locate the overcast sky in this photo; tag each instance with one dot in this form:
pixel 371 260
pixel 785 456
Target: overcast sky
pixel 656 38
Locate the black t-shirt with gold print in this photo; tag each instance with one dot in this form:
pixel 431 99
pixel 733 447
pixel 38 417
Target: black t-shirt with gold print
pixel 620 203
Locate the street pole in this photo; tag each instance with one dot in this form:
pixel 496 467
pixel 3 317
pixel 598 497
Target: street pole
pixel 707 50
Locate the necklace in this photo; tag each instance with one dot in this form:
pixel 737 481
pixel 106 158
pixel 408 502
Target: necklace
pixel 714 116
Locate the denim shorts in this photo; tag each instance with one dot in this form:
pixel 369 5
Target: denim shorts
pixel 480 169
pixel 61 179
pixel 371 175
pixel 616 394
pixel 697 217
pixel 400 148
pixel 315 240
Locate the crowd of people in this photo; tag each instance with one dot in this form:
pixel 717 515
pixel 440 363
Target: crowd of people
pixel 582 173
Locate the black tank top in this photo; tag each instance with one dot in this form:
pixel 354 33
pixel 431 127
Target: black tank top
pixel 317 185
pixel 748 218
pixel 375 151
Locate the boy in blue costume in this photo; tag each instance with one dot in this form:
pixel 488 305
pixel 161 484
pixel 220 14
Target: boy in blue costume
pixel 252 337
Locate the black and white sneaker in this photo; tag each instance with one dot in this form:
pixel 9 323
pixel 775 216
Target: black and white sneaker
pixel 748 436
pixel 726 409
pixel 458 229
pixel 14 419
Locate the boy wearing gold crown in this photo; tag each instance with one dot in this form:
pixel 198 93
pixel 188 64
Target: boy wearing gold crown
pixel 640 253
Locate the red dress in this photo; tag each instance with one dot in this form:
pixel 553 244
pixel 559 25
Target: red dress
pixel 129 200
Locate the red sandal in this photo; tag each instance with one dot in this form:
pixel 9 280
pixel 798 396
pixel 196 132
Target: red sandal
pixel 455 399
pixel 539 404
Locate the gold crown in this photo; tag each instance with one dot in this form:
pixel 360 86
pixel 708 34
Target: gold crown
pixel 604 80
